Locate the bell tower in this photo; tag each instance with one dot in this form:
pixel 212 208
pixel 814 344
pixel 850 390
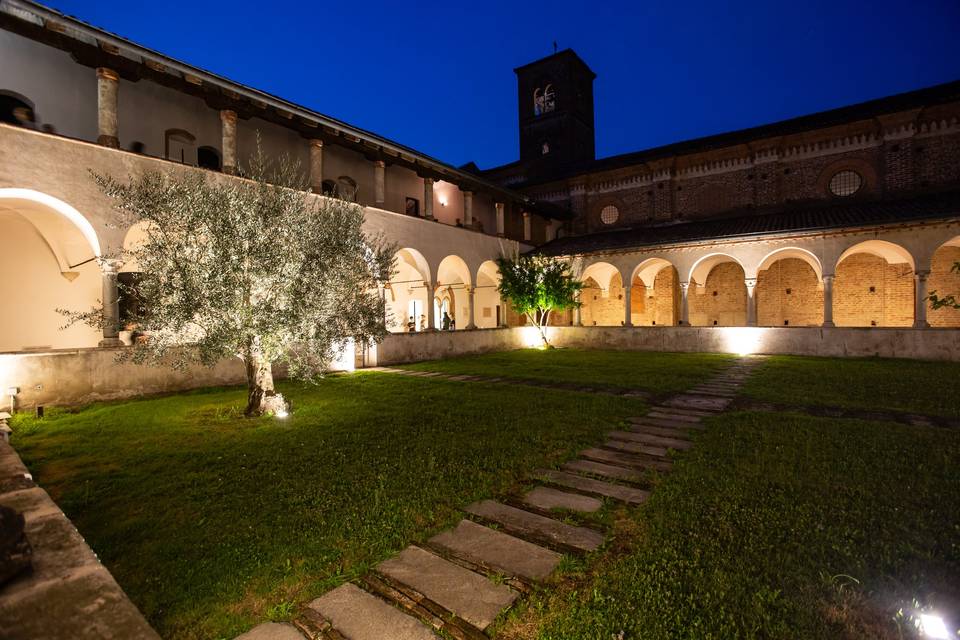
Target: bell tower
pixel 555 100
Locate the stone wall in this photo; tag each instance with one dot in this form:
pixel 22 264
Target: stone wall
pixel 789 294
pixel 67 593
pixel 945 281
pixel 722 300
pixel 870 292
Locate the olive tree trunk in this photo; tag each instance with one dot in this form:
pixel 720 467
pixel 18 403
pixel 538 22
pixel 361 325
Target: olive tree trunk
pixel 260 391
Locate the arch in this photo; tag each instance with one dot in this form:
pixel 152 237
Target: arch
pixel 655 293
pixel 489 310
pixel 50 215
pixel 648 269
pixel 792 252
pixel 48 262
pixel 945 281
pixel 892 253
pixel 406 295
pixel 453 279
pixel 702 267
pixel 347 188
pixel 17 109
pixel 209 158
pixel 133 239
pixel 602 273
pixel 180 146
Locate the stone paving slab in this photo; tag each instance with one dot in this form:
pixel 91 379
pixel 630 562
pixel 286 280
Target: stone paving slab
pixel 271 631
pixel 664 422
pixel 699 413
pixel 646 438
pixel 713 392
pixel 666 432
pixel 636 447
pixel 692 401
pixel 547 498
pixel 361 616
pixel 624 459
pixel 666 414
pixel 589 485
pixel 468 595
pixel 605 470
pixel 497 550
pixel 526 523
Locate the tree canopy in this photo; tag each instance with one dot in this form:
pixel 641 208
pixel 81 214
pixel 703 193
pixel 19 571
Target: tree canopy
pixel 536 286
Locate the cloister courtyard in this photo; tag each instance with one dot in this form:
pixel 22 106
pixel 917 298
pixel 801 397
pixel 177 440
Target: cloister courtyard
pixel 820 502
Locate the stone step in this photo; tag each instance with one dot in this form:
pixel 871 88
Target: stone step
pixel 666 414
pixel 699 413
pixel 526 524
pixel 361 616
pixel 666 432
pixel 589 485
pixel 546 499
pixel 646 438
pixel 271 631
pixel 605 470
pixel 663 422
pixel 626 460
pixel 636 447
pixel 468 595
pixel 497 550
pixel 703 403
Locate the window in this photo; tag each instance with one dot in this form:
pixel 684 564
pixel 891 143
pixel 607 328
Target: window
pixel 413 207
pixel 609 214
pixel 15 109
pixel 845 183
pixel 347 188
pixel 544 100
pixel 181 146
pixel 544 148
pixel 208 158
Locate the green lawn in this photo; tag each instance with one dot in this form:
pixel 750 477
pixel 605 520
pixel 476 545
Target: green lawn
pixel 916 386
pixel 212 522
pixel 777 526
pixel 647 370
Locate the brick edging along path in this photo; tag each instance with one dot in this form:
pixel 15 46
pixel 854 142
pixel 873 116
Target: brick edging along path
pixel 462 579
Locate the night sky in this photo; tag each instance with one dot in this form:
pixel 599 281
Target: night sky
pixel 439 76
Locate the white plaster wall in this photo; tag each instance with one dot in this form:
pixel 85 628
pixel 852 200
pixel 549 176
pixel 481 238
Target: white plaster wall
pixel 63 92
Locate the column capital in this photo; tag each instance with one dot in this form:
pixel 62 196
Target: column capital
pixel 105 73
pixel 684 286
pixel 228 116
pixel 316 142
pixel 921 274
pixel 379 164
pixel 827 277
pixel 428 180
pixel 466 192
pixel 525 214
pixel 110 265
pixel 750 282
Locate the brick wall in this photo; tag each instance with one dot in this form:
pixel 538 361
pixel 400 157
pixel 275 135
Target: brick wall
pixel 944 282
pixel 888 304
pixel 663 309
pixel 600 308
pixel 789 294
pixel 723 301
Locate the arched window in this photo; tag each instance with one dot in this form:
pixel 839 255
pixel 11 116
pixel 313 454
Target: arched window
pixel 16 109
pixel 544 100
pixel 347 188
pixel 208 158
pixel 180 146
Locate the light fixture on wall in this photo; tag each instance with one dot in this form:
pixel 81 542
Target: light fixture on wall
pixel 442 201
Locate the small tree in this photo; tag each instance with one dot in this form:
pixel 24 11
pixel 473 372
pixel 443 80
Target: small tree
pixel 537 286
pixel 255 268
pixel 949 301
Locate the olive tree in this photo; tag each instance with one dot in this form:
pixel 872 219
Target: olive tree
pixel 255 268
pixel 536 286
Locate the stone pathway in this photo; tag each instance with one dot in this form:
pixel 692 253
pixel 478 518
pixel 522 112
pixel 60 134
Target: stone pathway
pixel 461 580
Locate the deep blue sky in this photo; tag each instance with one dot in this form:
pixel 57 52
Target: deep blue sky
pixel 439 76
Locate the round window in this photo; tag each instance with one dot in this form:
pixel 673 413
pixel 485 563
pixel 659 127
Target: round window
pixel 845 183
pixel 609 214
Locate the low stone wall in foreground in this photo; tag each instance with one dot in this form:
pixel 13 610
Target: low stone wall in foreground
pixel 79 376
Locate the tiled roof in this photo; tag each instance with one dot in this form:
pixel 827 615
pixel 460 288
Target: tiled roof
pixel 792 218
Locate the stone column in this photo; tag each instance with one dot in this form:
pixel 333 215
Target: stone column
pixel 501 226
pixel 316 165
pixel 468 208
pixel 526 227
pixel 684 305
pixel 428 198
pixel 108 85
pixel 577 320
pixel 379 182
pixel 228 129
pixel 471 294
pixel 111 303
pixel 920 298
pixel 627 305
pixel 828 301
pixel 751 301
pixel 431 321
